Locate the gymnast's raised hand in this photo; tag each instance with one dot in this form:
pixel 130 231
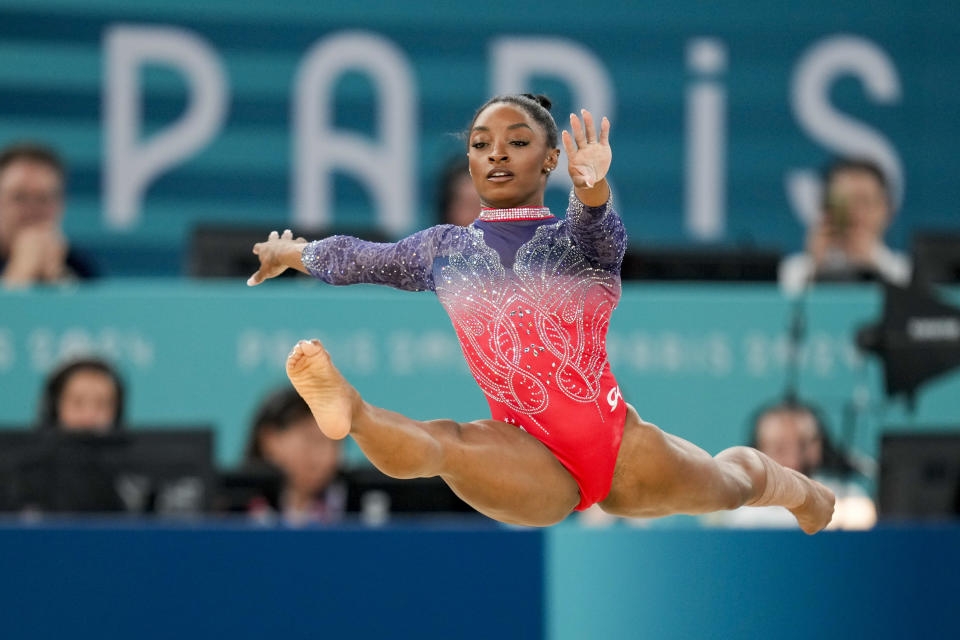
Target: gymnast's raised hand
pixel 588 158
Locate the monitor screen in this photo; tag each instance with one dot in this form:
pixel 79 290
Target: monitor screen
pixel 226 251
pixel 159 471
pixel 729 264
pixel 936 256
pixel 920 475
pixel 417 495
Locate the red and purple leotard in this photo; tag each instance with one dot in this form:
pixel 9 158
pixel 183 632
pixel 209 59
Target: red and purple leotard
pixel 530 297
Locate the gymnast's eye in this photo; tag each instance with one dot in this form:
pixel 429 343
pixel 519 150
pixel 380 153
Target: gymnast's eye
pixel 478 145
pixel 519 143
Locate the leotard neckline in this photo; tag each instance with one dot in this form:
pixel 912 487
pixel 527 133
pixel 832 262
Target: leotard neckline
pixel 515 213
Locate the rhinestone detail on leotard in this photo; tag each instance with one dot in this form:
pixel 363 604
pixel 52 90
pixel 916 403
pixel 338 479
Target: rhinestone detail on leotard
pixel 516 213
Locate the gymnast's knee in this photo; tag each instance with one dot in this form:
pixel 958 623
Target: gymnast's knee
pixel 424 457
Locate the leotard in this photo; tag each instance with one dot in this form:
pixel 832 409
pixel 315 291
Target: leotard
pixel 530 297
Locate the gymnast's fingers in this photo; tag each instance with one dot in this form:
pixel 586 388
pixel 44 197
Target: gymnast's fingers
pixel 577 130
pixel 568 143
pixel 605 131
pixel 590 130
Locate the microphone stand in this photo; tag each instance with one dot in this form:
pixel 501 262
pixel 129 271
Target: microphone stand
pixel 796 336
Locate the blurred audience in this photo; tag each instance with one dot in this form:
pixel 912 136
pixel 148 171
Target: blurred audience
pixel 33 248
pixel 793 434
pixel 457 199
pixel 847 243
pixel 85 395
pixel 285 436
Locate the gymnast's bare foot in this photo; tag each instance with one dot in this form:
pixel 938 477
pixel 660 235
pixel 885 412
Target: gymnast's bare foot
pixel 816 512
pixel 330 397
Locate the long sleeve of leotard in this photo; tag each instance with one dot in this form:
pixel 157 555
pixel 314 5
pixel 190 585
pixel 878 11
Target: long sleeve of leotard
pixel 598 231
pixel 407 264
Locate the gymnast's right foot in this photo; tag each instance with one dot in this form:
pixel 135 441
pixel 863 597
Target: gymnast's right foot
pixel 816 512
pixel 330 397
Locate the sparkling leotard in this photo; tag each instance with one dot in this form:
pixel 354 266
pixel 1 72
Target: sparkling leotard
pixel 530 297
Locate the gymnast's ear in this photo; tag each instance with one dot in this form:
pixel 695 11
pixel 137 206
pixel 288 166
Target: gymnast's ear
pixel 553 158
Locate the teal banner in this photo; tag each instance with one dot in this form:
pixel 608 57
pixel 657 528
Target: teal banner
pixel 326 114
pixel 695 360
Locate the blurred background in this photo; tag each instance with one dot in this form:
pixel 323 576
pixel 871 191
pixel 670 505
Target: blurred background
pixel 786 174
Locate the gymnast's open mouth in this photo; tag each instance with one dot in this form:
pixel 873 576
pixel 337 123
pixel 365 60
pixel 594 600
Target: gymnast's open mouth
pixel 500 175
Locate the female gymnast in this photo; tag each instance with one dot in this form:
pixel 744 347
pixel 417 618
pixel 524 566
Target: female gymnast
pixel 530 297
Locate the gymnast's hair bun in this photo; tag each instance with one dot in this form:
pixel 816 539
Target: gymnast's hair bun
pixel 540 99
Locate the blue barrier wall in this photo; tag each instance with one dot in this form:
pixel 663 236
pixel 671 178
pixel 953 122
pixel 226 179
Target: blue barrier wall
pixel 129 581
pixel 205 580
pixel 887 583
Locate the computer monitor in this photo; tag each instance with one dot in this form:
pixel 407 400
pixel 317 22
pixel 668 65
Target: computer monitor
pixel 226 251
pixel 251 487
pixel 411 496
pixel 715 263
pixel 920 475
pixel 166 471
pixel 936 256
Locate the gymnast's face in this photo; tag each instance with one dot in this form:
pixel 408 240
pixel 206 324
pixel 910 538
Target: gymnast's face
pixel 509 158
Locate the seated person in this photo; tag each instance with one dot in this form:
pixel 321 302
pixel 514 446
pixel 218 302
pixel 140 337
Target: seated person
pixel 84 395
pixel 457 199
pixel 80 397
pixel 846 244
pixel 792 434
pixel 33 248
pixel 285 435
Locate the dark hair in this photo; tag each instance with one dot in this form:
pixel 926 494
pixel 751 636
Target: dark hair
pixel 841 165
pixel 48 415
pixel 33 152
pixel 834 461
pixel 536 106
pixel 276 412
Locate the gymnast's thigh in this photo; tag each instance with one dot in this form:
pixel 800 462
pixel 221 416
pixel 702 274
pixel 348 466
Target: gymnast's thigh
pixel 507 474
pixel 658 473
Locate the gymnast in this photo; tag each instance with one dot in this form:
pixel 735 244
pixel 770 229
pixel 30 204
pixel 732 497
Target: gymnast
pixel 530 297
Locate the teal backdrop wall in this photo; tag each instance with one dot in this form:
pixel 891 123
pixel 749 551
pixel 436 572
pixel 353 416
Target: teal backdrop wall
pixel 695 360
pixel 790 84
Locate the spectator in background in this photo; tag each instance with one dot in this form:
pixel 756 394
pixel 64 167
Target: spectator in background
pixel 846 244
pixel 457 199
pixel 794 436
pixel 33 248
pixel 286 436
pixel 85 395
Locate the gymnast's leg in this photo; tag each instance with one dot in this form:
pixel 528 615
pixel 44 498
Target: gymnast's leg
pixel 496 468
pixel 659 474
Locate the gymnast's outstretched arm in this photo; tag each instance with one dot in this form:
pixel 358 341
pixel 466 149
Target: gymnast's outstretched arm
pixel 343 260
pixel 591 220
